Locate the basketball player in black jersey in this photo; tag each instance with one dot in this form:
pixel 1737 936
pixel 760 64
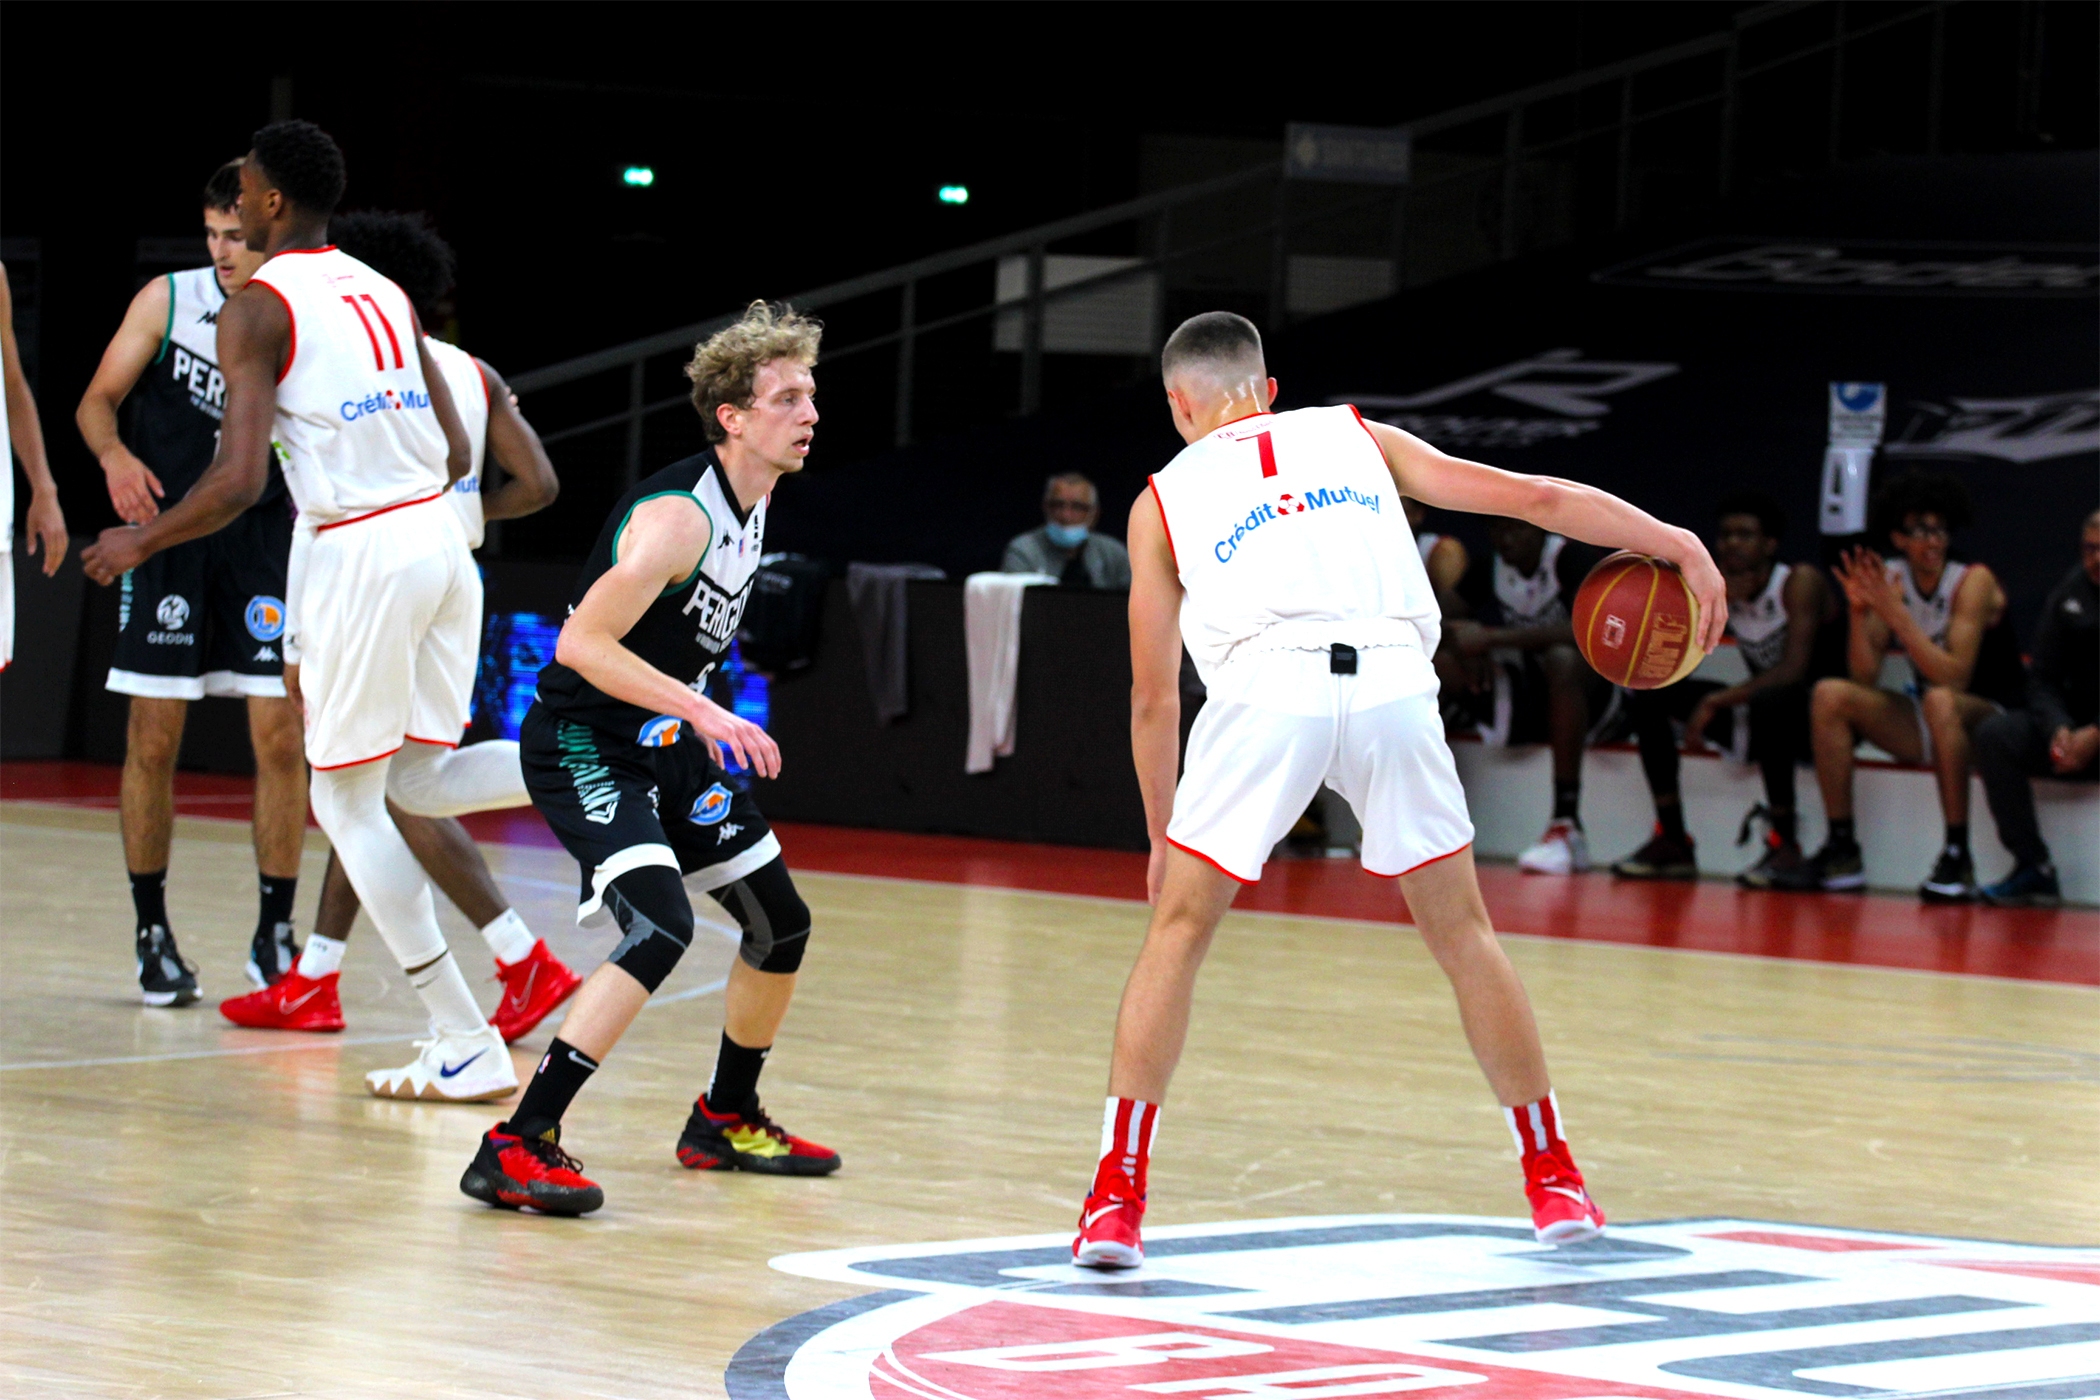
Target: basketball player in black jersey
pixel 201 618
pixel 640 802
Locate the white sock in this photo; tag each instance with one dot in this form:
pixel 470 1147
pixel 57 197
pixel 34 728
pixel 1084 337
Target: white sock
pixel 323 957
pixel 433 781
pixel 508 937
pixel 453 1010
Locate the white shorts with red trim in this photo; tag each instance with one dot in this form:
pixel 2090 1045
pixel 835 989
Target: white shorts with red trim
pixel 1279 724
pixel 389 629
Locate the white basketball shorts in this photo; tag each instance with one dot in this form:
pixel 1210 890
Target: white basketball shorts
pixel 1279 724
pixel 389 628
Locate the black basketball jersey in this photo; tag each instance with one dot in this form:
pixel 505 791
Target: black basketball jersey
pixel 179 401
pixel 686 632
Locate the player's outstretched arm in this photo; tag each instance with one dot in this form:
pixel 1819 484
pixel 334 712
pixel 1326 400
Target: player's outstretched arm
pixel 1155 675
pixel 1564 507
pixel 529 482
pixel 662 544
pixel 133 488
pixel 46 522
pixel 459 448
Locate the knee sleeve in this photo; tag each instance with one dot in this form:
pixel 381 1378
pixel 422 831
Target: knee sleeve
pixel 430 780
pixel 774 918
pixel 656 923
pixel 351 806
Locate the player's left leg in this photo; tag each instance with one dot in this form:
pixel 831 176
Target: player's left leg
pixel 1951 715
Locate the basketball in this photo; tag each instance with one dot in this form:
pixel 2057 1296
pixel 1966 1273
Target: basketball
pixel 1636 620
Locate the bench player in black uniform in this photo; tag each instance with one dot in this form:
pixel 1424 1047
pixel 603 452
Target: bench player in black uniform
pixel 201 618
pixel 641 803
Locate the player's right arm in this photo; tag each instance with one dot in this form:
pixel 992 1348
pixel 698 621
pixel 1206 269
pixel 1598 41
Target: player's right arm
pixel 662 544
pixel 529 483
pixel 1563 507
pixel 133 488
pixel 1155 675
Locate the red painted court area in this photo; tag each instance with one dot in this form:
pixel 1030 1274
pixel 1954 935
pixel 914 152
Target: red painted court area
pixel 2043 945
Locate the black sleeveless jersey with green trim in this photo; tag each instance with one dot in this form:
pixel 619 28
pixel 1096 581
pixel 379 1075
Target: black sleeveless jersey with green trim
pixel 686 632
pixel 178 402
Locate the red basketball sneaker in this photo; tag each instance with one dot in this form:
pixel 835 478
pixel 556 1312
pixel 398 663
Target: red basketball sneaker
pixel 749 1142
pixel 532 986
pixel 293 1002
pixel 1561 1209
pixel 1108 1233
pixel 516 1173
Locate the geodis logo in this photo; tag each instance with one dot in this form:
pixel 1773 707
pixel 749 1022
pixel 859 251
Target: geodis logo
pixel 1320 1308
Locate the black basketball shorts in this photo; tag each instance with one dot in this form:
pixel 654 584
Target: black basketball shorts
pixel 205 617
pixel 617 806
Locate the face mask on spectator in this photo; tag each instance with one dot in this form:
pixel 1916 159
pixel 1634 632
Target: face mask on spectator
pixel 1065 536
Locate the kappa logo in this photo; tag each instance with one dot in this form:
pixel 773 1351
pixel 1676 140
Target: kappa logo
pixel 265 618
pixel 710 806
pixel 1317 1308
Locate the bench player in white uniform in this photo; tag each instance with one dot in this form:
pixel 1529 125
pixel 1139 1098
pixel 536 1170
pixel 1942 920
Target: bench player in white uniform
pixel 330 355
pixel 21 430
pixel 403 249
pixel 1276 542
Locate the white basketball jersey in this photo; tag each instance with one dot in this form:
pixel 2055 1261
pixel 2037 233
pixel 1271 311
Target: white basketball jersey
pixel 353 413
pixel 470 395
pixel 1292 517
pixel 1929 613
pixel 1532 600
pixel 1759 626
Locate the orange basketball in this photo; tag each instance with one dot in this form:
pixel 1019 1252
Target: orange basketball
pixel 1636 622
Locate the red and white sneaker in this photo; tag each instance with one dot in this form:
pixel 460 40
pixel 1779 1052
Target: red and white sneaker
pixel 532 986
pixel 1561 1209
pixel 293 1002
pixel 517 1173
pixel 1108 1233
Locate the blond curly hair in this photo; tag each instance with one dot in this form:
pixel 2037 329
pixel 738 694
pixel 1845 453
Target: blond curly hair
pixel 725 363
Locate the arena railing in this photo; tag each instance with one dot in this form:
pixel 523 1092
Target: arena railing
pixel 1492 181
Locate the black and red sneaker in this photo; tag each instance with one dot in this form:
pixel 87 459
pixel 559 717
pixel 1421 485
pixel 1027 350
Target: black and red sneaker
pixel 520 1173
pixel 749 1142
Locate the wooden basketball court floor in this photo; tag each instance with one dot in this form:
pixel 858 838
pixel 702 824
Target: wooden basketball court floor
pixel 189 1209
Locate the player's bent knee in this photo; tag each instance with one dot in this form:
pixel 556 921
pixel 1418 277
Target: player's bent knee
pixel 656 923
pixel 772 915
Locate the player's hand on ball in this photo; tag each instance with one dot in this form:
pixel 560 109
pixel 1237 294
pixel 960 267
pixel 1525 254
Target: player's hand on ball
pixel 1704 579
pixel 753 747
pixel 116 551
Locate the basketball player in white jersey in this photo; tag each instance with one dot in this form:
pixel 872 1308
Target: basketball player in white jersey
pixel 403 249
pixel 205 617
pixel 23 432
pixel 328 357
pixel 1277 544
pixel 1948 618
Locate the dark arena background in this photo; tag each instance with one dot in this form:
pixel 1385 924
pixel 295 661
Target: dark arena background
pixel 1846 1133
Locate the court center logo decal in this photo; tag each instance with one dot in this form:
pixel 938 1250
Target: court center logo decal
pixel 1318 1308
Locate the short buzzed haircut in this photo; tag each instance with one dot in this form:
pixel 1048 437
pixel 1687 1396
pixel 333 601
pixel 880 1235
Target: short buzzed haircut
pixel 223 190
pixel 1771 520
pixel 725 365
pixel 1070 479
pixel 1216 338
pixel 303 163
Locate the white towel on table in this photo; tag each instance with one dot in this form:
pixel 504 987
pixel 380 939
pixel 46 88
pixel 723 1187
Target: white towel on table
pixel 992 639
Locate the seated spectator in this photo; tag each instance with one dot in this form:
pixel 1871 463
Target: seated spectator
pixel 1539 685
pixel 1444 556
pixel 2055 734
pixel 1782 617
pixel 1949 619
pixel 1066 545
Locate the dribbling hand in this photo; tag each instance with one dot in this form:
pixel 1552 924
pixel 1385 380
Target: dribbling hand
pixel 753 747
pixel 1708 590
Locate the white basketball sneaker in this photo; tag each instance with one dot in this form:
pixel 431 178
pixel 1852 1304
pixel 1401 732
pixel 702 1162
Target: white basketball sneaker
pixel 1563 850
pixel 452 1068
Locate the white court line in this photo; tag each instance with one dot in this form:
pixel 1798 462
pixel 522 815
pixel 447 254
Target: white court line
pixel 689 994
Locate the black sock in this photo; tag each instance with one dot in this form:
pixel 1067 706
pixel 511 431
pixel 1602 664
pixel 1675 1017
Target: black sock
pixel 562 1072
pixel 735 1085
pixel 1841 834
pixel 149 896
pixel 1783 824
pixel 1566 798
pixel 276 904
pixel 1670 817
pixel 1958 837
